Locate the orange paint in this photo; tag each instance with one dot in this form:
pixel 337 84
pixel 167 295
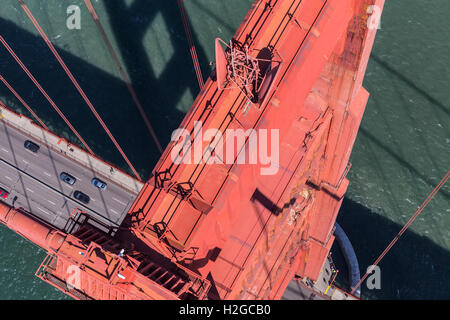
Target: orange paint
pixel 224 230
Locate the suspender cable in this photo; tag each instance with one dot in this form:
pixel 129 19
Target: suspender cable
pixel 23 102
pixel 187 29
pixel 5 44
pixel 123 74
pixel 405 227
pixel 74 81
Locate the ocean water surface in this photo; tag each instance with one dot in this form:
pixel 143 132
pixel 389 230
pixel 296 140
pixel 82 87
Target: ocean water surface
pixel 401 153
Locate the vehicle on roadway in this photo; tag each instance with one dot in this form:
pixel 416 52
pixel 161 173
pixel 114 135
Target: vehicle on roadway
pixel 81 196
pixel 67 178
pixel 99 184
pixel 30 145
pixel 3 193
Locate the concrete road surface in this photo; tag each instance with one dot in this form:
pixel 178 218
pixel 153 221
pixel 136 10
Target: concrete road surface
pixel 33 181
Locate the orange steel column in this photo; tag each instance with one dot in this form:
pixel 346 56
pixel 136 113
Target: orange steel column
pixel 37 232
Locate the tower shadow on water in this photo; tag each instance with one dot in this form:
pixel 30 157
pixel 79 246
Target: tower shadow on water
pixel 415 268
pixel 160 88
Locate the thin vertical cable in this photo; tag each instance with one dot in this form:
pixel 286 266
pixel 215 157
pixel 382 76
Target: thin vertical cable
pixel 76 84
pixel 22 101
pixel 24 68
pixel 123 74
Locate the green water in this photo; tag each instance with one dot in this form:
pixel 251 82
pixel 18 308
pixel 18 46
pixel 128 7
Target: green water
pixel 401 153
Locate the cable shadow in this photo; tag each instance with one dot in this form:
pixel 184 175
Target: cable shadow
pixel 160 86
pixel 401 161
pixel 159 90
pixel 65 206
pixel 107 93
pixel 415 268
pixel 397 74
pixel 19 175
pixel 160 94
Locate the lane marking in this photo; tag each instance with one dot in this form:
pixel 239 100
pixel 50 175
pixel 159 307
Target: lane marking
pixel 8 178
pixel 47 174
pixel 114 211
pixel 7 151
pixel 51 202
pixel 30 190
pixel 27 175
pixel 25 161
pixel 122 203
pixel 44 211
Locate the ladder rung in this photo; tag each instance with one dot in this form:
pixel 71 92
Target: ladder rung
pixel 91 237
pixel 177 283
pixel 100 239
pixel 154 272
pixel 165 273
pixel 146 268
pixel 83 232
pixel 168 280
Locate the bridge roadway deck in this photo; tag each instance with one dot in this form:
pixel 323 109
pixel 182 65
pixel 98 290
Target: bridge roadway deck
pixel 32 179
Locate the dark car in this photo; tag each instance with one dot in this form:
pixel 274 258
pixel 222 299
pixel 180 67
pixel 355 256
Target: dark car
pixel 3 193
pixel 31 146
pixel 81 196
pixel 99 183
pixel 67 178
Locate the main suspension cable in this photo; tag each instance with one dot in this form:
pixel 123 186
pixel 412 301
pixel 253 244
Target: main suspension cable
pixel 24 68
pixel 23 102
pixel 123 74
